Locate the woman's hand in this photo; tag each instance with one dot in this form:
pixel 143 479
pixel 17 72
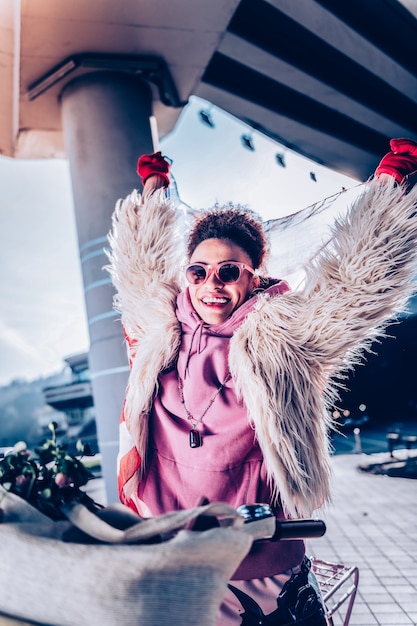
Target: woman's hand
pixel 154 171
pixel 400 163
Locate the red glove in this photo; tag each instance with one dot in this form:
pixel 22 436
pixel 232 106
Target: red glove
pixel 149 164
pixel 401 162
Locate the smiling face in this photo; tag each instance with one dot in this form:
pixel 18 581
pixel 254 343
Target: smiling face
pixel 213 300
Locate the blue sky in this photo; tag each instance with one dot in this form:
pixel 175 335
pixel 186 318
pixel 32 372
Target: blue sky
pixel 42 314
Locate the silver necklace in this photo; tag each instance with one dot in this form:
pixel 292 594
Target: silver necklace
pixel 195 437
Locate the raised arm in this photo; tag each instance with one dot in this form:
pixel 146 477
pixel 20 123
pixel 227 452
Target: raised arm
pixel 146 249
pixel 364 277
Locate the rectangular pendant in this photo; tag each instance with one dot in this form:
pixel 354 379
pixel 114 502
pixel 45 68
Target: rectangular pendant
pixel 195 439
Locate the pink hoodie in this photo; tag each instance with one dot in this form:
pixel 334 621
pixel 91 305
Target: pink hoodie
pixel 228 466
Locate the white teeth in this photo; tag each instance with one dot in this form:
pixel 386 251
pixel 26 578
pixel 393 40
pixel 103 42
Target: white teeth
pixel 214 300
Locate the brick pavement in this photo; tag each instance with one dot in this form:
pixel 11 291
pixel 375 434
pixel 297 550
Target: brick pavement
pixel 372 523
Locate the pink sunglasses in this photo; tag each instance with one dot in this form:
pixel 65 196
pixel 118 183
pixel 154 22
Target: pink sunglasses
pixel 227 272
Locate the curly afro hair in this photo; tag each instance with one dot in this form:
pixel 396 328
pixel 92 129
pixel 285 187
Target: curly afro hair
pixel 238 224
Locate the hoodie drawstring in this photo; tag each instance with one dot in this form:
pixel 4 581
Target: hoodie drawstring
pixel 198 334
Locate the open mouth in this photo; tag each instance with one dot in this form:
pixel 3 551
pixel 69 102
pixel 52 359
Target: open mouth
pixel 210 301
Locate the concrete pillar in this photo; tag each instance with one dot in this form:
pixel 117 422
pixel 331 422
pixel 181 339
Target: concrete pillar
pixel 106 126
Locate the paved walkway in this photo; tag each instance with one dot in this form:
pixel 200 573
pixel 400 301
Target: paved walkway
pixel 373 524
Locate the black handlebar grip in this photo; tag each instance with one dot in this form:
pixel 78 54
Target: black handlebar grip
pixel 298 529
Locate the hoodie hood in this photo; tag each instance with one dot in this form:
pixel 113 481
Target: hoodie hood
pixel 196 332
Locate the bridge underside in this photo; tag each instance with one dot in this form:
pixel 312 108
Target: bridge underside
pixel 332 80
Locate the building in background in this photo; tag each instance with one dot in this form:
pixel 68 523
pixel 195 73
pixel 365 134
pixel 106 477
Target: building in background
pixel 75 399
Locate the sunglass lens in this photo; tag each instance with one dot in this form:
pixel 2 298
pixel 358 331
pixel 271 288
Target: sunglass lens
pixel 229 273
pixel 196 274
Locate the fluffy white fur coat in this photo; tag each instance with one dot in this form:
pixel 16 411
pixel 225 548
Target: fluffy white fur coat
pixel 291 351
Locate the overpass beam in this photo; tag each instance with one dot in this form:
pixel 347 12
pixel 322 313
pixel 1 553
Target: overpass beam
pixel 105 117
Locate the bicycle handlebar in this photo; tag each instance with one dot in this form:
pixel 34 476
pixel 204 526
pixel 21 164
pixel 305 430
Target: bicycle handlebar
pixel 284 529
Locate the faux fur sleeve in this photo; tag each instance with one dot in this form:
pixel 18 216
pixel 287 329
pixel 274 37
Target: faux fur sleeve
pixel 146 252
pixel 360 281
pixel 357 284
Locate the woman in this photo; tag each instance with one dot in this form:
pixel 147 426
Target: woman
pixel 232 375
